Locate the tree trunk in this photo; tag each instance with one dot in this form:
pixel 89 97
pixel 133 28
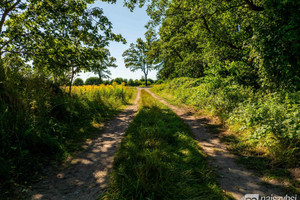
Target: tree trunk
pixel 72 76
pixel 100 77
pixel 72 66
pixel 146 80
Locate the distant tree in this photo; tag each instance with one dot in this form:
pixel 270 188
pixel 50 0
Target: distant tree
pixel 92 81
pixel 130 82
pixel 136 57
pixel 107 82
pixel 160 81
pixel 150 81
pixel 137 82
pixel 119 80
pixel 100 67
pixel 78 81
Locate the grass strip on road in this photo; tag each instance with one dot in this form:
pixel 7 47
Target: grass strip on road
pixel 159 159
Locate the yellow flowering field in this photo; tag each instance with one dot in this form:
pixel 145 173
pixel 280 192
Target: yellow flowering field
pixel 111 95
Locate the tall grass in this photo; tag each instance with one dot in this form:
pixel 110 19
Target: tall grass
pixel 40 123
pixel 265 123
pixel 159 159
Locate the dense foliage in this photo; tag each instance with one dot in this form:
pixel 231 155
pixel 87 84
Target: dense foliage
pixel 100 67
pixel 256 42
pixel 54 38
pixel 78 81
pixel 92 81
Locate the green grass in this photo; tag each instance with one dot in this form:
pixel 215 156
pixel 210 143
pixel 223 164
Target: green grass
pixel 260 151
pixel 265 121
pixel 41 124
pixel 159 159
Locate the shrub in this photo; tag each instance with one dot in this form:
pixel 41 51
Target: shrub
pixel 78 81
pixel 92 81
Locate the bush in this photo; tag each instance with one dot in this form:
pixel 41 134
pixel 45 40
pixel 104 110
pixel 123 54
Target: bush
pixel 107 82
pixel 119 80
pixel 131 82
pixel 93 81
pixel 137 82
pixel 160 81
pixel 78 81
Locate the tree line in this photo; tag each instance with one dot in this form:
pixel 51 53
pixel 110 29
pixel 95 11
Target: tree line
pixel 127 82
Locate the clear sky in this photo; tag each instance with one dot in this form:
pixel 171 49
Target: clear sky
pixel 132 26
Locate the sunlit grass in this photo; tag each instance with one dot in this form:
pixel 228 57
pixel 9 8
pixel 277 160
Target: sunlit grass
pixel 260 128
pixel 159 159
pixel 45 124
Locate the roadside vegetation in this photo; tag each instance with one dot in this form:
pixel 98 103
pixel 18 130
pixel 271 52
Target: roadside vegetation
pixel 41 123
pixel 159 159
pixel 265 126
pixel 241 57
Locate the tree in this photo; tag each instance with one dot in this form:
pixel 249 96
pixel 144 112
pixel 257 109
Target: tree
pixel 92 81
pixel 131 82
pixel 60 38
pixel 137 57
pixel 137 82
pixel 119 80
pixel 78 81
pixel 100 66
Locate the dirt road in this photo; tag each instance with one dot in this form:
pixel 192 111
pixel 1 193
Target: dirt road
pixel 87 174
pixel 234 178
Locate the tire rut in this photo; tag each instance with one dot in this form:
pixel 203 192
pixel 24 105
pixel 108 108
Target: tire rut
pixel 233 178
pixel 87 174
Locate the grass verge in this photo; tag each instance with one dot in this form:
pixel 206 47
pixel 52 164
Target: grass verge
pixel 252 157
pixel 159 159
pixel 40 125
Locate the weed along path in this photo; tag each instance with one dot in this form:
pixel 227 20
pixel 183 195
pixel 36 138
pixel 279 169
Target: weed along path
pixel 234 178
pixel 87 174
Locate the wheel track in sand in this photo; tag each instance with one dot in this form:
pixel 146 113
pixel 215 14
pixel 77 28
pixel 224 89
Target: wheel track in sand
pixel 86 176
pixel 234 178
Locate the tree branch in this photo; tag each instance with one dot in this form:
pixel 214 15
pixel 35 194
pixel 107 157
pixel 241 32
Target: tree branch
pixel 253 7
pixel 178 54
pixel 218 39
pixel 6 12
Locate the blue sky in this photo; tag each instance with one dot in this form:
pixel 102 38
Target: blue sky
pixel 132 26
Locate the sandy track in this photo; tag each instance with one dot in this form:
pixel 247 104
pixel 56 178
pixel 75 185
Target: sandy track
pixel 234 178
pixel 87 174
